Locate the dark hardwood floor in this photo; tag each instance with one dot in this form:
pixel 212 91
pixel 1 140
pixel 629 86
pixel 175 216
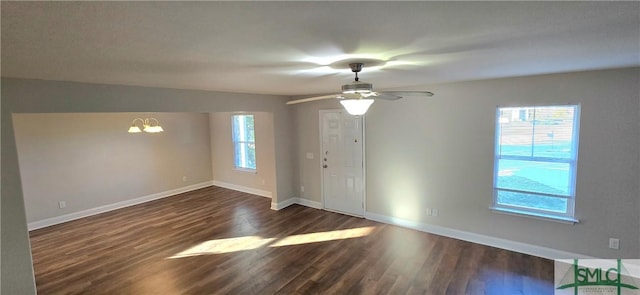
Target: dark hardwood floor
pixel 219 241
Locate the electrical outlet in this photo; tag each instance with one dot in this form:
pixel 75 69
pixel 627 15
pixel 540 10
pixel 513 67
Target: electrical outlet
pixel 184 178
pixel 302 188
pixel 428 211
pixel 62 204
pixel 614 243
pixel 435 212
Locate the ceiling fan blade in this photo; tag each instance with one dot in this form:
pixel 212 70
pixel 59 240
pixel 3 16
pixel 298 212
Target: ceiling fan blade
pixel 313 98
pixel 385 96
pixel 350 96
pixel 407 93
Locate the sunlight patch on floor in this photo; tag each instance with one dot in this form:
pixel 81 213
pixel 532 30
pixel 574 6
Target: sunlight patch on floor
pixel 324 236
pixel 221 246
pixel 230 245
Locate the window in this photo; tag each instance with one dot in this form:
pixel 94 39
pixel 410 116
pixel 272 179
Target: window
pixel 535 160
pixel 244 142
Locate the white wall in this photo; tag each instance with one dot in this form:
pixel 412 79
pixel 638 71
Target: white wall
pixel 438 152
pixel 89 160
pixel 38 96
pixel 222 154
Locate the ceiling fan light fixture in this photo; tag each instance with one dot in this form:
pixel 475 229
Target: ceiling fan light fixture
pixel 357 96
pixel 356 107
pixel 357 87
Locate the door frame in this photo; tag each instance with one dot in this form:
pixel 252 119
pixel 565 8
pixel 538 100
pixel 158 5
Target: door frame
pixel 364 163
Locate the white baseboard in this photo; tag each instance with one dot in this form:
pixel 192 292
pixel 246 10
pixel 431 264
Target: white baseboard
pixel 309 203
pixel 106 208
pixel 519 247
pixel 244 189
pixel 534 250
pixel 288 202
pixel 284 204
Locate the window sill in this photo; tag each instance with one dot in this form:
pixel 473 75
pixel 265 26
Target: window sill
pixel 246 170
pixel 560 219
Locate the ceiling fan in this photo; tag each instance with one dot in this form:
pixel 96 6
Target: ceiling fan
pixel 357 96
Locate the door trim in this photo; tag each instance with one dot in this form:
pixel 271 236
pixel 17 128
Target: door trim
pixel 364 163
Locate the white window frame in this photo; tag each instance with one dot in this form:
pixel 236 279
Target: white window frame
pixel 239 142
pixel 569 216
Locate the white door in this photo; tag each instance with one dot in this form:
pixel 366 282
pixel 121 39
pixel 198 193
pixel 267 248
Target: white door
pixel 342 162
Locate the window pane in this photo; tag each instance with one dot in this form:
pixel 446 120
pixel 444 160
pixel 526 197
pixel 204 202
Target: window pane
pixel 237 125
pixel 249 127
pixel 532 201
pixel 516 127
pixel 536 131
pixel 243 128
pixel 535 154
pixel 250 150
pixel 244 141
pixel 238 155
pixel 541 177
pixel 553 132
pixel 245 155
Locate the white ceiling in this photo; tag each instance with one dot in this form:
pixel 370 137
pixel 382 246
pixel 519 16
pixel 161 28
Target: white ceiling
pixel 288 48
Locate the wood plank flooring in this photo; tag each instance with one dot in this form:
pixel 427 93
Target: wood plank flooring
pixel 219 241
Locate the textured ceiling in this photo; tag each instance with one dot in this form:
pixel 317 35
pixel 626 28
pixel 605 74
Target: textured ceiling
pixel 299 48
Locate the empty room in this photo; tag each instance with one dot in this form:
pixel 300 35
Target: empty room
pixel 320 147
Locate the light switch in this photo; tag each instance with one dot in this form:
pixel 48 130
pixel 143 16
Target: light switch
pixel 310 156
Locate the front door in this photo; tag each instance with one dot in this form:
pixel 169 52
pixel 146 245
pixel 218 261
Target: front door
pixel 342 162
